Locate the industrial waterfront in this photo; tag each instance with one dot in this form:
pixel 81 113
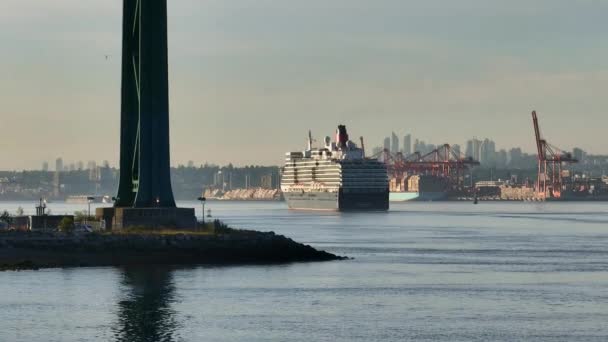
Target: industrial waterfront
pixel 426 272
pixel 497 241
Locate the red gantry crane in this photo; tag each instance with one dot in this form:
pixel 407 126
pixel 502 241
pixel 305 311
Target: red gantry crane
pixel 442 162
pixel 551 161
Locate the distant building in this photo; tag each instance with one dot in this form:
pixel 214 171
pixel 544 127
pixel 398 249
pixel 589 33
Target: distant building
pixel 407 145
pixel 91 165
pixel 469 149
pixel 579 154
pixel 394 143
pixel 474 148
pixel 59 165
pixel 501 159
pixel 487 153
pixel 515 157
pixel 45 166
pixel 387 143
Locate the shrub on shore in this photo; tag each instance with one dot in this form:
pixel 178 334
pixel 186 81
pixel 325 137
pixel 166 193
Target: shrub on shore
pixel 66 225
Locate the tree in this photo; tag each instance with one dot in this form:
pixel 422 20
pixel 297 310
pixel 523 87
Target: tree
pixel 66 225
pixel 19 211
pixel 5 217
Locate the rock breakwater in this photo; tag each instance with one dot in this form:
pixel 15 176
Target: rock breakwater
pixel 29 250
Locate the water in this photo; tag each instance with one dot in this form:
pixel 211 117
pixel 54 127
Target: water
pixel 422 272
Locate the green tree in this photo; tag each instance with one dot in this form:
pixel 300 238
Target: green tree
pixel 5 217
pixel 66 225
pixel 19 211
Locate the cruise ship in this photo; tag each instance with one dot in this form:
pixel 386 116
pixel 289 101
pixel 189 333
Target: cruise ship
pixel 336 177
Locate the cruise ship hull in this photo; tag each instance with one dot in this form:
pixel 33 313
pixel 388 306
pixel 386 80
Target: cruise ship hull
pixel 418 196
pixel 333 201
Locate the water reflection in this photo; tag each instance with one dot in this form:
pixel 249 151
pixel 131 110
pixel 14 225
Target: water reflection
pixel 145 313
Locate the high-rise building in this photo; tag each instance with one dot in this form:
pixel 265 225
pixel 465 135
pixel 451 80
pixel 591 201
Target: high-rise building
pixel 80 165
pixel 468 152
pixel 487 155
pixel 407 145
pixel 477 149
pixel 45 166
pixel 59 165
pixel 515 157
pixel 387 143
pixel 91 165
pixel 473 149
pixel 578 154
pixel 394 143
pixel 501 159
pixel 416 146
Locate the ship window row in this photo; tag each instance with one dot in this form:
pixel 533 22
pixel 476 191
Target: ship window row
pixel 318 179
pixel 333 167
pixel 359 184
pixel 321 176
pixel 347 167
pixel 311 162
pixel 356 172
pixel 338 164
pixel 348 172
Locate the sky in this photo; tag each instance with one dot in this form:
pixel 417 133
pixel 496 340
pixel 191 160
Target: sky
pixel 249 78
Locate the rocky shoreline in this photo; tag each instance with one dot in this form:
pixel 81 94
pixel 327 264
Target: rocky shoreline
pixel 29 250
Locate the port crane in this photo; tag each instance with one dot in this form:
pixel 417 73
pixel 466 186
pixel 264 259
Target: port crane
pixel 551 162
pixel 442 162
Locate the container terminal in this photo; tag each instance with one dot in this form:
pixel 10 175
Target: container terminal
pixel 442 175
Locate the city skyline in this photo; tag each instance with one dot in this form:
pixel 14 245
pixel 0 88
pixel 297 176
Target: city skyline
pixel 430 70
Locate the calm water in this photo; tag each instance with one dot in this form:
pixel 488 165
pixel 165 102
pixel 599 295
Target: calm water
pixel 422 272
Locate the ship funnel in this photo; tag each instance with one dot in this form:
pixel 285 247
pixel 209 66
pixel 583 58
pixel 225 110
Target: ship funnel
pixel 341 137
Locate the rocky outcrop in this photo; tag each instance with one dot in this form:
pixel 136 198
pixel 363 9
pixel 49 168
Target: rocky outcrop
pixel 40 250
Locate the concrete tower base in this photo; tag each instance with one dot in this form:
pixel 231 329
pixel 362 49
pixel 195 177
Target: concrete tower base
pixel 170 218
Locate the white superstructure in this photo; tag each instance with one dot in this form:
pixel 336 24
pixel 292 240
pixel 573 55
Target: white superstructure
pixel 338 167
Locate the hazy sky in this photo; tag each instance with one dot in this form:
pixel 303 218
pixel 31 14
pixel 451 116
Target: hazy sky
pixel 250 77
